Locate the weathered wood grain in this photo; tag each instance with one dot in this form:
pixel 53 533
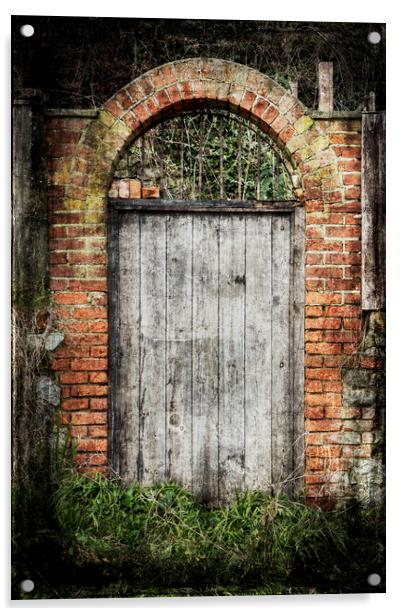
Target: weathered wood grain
pixel 373 211
pixel 232 285
pixel 205 382
pixel 152 359
pixel 29 280
pixel 178 348
pixel 128 345
pixel 195 206
pixel 297 255
pixel 258 353
pixel 282 419
pixel 325 86
pixel 206 349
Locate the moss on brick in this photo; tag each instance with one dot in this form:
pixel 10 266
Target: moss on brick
pixel 303 124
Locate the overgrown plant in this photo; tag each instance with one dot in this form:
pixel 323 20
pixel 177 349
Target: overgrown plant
pixel 138 539
pixel 81 63
pixel 34 528
pixel 29 326
pixel 30 458
pixel 41 447
pixel 208 155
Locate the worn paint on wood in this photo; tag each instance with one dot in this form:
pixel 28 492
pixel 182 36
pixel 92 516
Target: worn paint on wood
pixel 201 356
pixel 232 282
pixel 216 206
pixel 282 425
pixel 373 211
pixel 178 361
pixel 258 353
pixel 129 318
pixel 29 279
pixel 152 350
pixel 205 357
pixel 297 355
pixel 325 86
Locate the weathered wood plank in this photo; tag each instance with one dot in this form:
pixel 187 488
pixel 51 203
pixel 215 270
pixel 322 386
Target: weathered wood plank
pixel 373 211
pixel 214 206
pixel 282 416
pixel 258 353
pixel 30 262
pixel 179 348
pixel 127 396
pixel 29 197
pixel 294 88
pixel 231 354
pixel 152 403
pixel 325 86
pixel 297 254
pixel 205 358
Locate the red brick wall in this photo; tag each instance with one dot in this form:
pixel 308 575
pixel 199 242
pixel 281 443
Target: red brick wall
pixel 325 154
pixel 332 312
pixel 77 249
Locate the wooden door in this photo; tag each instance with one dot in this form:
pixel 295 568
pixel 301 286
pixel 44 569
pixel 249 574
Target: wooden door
pixel 206 347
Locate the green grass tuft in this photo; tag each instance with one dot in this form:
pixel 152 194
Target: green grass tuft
pixel 104 538
pixel 119 540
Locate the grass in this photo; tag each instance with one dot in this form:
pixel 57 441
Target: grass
pixel 109 539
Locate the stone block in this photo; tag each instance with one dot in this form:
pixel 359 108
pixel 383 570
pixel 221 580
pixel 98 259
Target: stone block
pixel 48 391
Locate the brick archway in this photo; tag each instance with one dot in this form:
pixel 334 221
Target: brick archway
pixel 323 158
pixel 196 83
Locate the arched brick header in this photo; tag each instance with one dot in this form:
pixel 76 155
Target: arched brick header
pixel 196 83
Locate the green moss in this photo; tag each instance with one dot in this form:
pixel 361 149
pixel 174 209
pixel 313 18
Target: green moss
pixel 303 124
pixel 33 295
